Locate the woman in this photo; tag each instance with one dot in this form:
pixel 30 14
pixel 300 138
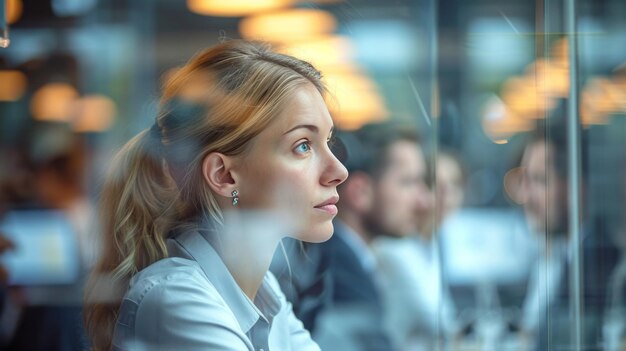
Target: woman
pixel 195 207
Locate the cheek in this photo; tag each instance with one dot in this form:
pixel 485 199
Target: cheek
pixel 399 199
pixel 256 187
pixel 389 205
pixel 291 188
pixel 553 193
pixel 265 182
pixel 536 193
pixel 557 205
pixel 384 198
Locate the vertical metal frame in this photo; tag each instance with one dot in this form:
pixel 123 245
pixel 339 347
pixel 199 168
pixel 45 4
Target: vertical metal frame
pixel 574 181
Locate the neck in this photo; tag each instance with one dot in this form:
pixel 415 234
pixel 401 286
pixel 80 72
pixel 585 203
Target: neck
pixel 247 246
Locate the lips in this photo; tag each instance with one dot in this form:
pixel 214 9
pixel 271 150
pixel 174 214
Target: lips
pixel 329 206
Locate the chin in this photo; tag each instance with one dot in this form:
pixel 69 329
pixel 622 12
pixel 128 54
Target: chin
pixel 318 233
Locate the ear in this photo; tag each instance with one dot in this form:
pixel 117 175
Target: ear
pixel 217 172
pixel 358 192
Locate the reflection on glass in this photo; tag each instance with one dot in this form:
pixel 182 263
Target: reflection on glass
pixel 491 251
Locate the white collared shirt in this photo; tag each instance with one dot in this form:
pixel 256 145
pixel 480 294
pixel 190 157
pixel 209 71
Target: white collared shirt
pixel 416 303
pixel 191 302
pixel 545 278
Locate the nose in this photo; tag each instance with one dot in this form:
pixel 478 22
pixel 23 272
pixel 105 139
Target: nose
pixel 334 172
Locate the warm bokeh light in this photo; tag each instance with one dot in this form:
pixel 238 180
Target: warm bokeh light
pixel 53 102
pixel 607 96
pixel 537 92
pixel 288 26
pixel 599 99
pixel 14 9
pixel 235 8
pixel 603 97
pixel 325 52
pixel 344 69
pixel 523 98
pixel 322 2
pixel 552 80
pixel 13 85
pixel 93 113
pixel 339 83
pixel 499 122
pixel 354 100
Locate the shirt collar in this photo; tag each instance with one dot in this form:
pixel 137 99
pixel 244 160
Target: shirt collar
pixel 195 246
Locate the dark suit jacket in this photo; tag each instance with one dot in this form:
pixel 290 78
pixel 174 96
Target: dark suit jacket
pixel 327 276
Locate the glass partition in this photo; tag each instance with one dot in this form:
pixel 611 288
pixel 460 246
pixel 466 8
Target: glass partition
pixel 520 237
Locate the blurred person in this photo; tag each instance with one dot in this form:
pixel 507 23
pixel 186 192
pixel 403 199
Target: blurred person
pixel 5 330
pixel 58 157
pixel 449 191
pixel 419 312
pixel 450 184
pixel 545 205
pixel 5 245
pixel 545 321
pixel 55 158
pixel 340 294
pixel 195 206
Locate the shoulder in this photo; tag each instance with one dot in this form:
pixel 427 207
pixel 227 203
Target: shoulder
pixel 172 303
pixel 175 280
pixel 171 273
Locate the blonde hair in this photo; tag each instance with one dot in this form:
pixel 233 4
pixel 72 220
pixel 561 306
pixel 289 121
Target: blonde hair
pixel 220 100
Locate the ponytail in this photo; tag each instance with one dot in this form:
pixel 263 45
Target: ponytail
pixel 136 205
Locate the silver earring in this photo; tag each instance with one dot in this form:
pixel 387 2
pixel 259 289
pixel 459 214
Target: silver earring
pixel 235 195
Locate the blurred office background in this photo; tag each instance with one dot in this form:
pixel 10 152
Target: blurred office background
pixel 478 78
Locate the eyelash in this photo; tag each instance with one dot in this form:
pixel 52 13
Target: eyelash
pixel 329 141
pixel 308 145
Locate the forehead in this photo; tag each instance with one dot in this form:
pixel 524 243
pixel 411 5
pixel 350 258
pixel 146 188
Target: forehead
pixel 403 150
pixel 305 106
pixel 405 154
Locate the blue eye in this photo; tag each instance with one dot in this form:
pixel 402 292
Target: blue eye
pixel 303 147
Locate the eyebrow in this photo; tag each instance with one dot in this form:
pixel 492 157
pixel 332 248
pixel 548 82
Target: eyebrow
pixel 310 127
